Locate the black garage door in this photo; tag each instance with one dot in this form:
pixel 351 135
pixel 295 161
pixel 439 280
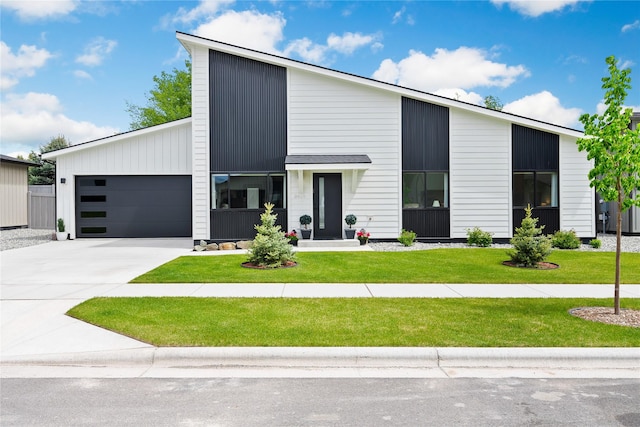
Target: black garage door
pixel 133 206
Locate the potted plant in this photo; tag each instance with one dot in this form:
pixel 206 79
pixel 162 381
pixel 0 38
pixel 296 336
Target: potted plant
pixel 363 235
pixel 293 237
pixel 350 219
pixel 305 220
pixel 61 234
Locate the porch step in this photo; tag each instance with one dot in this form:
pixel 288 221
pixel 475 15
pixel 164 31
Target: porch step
pixel 308 243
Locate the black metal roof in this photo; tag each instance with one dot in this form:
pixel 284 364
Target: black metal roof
pixel 323 159
pixel 9 159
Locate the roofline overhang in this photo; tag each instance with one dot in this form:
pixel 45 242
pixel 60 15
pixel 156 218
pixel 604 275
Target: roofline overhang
pixel 189 40
pixel 13 160
pixel 113 138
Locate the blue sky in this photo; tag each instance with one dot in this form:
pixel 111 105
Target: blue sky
pixel 69 67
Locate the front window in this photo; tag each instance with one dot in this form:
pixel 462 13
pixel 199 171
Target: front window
pixel 247 191
pixel 537 189
pixel 425 190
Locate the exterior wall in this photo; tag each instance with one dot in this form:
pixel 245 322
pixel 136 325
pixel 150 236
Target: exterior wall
pixel 164 152
pixel 13 195
pixel 201 184
pixel 329 116
pixel 577 199
pixel 480 174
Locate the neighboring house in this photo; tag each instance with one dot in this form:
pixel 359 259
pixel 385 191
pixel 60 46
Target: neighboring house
pixel 317 141
pixel 14 188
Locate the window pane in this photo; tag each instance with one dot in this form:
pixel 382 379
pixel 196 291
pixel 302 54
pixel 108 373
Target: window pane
pixel 247 191
pixel 547 189
pixel 523 189
pixel 220 191
pixel 437 190
pixel 413 190
pixel 277 196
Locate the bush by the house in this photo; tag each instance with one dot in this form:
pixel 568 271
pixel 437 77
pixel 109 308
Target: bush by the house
pixel 270 247
pixel 565 240
pixel 530 246
pixel 477 237
pixel 595 243
pixel 407 237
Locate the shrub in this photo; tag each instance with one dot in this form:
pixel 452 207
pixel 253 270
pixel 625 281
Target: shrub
pixel 407 237
pixel 478 237
pixel 270 247
pixel 595 243
pixel 350 219
pixel 530 246
pixel 565 240
pixel 305 220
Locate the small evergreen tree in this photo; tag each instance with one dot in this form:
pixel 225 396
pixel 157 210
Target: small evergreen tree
pixel 270 247
pixel 530 246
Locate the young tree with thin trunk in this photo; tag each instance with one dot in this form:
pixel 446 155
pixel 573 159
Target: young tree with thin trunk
pixel 615 151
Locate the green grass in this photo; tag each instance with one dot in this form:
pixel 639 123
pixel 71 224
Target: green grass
pixel 469 322
pixel 481 265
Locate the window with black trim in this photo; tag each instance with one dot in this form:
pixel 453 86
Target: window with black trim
pixel 247 191
pixel 425 190
pixel 535 189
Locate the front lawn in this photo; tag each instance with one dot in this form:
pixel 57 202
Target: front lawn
pixel 472 265
pixel 337 322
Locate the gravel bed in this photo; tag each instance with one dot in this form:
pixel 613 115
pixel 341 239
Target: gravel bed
pixel 24 237
pixel 629 244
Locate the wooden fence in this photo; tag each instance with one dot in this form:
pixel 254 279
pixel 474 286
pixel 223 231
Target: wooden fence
pixel 42 207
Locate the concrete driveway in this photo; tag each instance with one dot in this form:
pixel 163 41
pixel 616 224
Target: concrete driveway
pixel 88 261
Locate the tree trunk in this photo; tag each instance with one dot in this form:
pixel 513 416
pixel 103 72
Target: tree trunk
pixel 616 294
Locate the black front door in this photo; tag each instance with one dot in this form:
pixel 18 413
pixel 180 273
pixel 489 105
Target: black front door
pixel 327 206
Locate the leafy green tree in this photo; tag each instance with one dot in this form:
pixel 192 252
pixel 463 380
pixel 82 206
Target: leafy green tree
pixel 530 246
pixel 270 247
pixel 169 100
pixel 45 173
pixel 493 102
pixel 615 151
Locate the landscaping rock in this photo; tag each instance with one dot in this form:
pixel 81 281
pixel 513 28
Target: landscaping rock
pixel 227 246
pixel 244 244
pixel 212 247
pixel 199 248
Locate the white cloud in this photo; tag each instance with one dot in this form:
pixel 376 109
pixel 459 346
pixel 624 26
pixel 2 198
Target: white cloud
pixel 206 9
pixel 96 51
pixel 318 53
pixel 630 27
pixel 397 17
pixel 40 9
pixel 247 29
pixel 546 107
pixel 29 120
pixel 460 95
pixel 462 68
pixel 21 64
pixel 81 74
pixel 535 8
pixel 307 50
pixel 348 42
pixel 602 107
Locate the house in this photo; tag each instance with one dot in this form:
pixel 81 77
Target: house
pixel 14 188
pixel 325 143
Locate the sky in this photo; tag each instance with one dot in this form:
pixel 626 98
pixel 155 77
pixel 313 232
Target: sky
pixel 70 67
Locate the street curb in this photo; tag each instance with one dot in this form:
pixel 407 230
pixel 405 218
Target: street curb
pixel 344 357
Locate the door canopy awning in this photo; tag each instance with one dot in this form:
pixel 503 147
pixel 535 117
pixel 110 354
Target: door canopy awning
pixel 327 162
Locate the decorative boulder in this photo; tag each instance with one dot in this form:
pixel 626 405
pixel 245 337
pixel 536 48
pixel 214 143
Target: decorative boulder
pixel 199 248
pixel 212 247
pixel 227 246
pixel 244 244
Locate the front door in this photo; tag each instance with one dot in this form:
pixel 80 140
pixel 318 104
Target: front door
pixel 327 206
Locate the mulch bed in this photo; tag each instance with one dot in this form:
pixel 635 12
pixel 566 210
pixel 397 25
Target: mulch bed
pixel 287 264
pixel 541 265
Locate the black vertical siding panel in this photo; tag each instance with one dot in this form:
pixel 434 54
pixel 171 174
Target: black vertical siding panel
pixel 427 222
pixel 425 136
pixel 549 217
pixel 534 149
pixel 248 114
pixel 228 224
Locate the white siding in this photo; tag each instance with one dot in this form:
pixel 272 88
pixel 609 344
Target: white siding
pixel 577 199
pixel 329 116
pixel 480 174
pixel 200 116
pixel 165 152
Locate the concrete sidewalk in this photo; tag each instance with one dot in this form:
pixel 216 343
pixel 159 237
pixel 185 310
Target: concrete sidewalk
pixel 39 284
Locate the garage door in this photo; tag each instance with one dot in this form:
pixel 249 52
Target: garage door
pixel 133 206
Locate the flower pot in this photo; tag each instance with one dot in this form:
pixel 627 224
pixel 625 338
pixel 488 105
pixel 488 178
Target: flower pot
pixel 306 234
pixel 363 241
pixel 61 235
pixel 350 233
pixel 293 242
